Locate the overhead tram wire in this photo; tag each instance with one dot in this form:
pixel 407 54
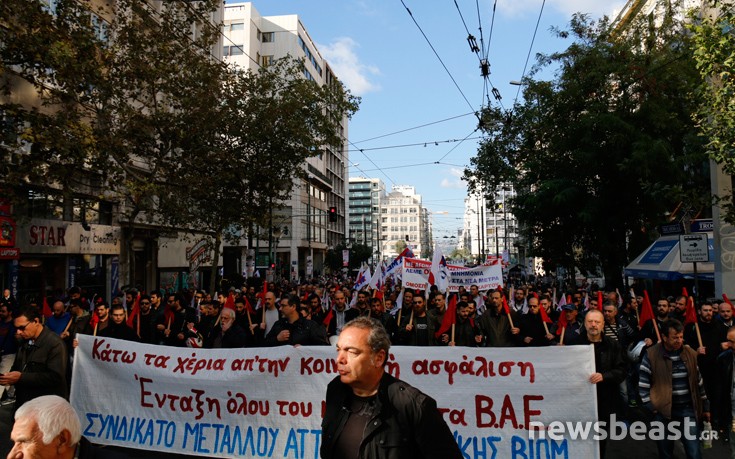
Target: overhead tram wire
pixel 372 162
pixel 415 127
pixel 440 60
pixel 492 26
pixel 530 48
pixel 418 144
pixel 458 144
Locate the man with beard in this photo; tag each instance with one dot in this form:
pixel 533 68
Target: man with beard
pixel 147 318
pixel 227 334
pixel 173 326
pixel 362 306
pixel 495 325
pixel 466 333
pixel 662 314
pixel 102 309
pixel 629 312
pixel 118 328
pixel 340 315
pixel 679 309
pixel 518 303
pixel 416 328
pixel 610 367
pixel 725 314
pixel 377 312
pixel 436 314
pixel 714 342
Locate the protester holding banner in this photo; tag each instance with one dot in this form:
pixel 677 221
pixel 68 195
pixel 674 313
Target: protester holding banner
pixel 118 328
pixel 610 367
pixel 371 414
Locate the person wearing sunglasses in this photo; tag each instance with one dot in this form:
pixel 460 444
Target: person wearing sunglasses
pixel 40 364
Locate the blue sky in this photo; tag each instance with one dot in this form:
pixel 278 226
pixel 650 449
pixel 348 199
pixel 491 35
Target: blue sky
pixel 380 54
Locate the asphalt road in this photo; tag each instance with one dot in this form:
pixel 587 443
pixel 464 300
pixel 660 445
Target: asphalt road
pixel 620 449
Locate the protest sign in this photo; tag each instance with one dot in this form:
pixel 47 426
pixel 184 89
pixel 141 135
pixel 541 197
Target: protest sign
pixel 486 277
pixel 268 402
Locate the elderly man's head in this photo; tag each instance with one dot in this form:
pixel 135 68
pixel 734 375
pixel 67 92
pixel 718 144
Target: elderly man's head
pixel 45 428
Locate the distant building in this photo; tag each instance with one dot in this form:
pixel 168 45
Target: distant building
pixel 490 228
pixel 403 218
pixel 302 225
pixel 365 198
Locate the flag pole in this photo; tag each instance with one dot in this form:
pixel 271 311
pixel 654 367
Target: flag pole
pixel 561 341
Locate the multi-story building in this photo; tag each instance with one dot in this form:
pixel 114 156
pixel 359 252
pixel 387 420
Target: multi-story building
pixel 490 228
pixel 302 233
pixel 403 219
pixel 365 198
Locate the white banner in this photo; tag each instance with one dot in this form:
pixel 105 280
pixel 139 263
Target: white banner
pixel 486 277
pixel 268 402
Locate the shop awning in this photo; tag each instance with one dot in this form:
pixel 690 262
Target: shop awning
pixel 661 261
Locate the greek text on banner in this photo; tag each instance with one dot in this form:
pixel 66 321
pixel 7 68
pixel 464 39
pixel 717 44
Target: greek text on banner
pixel 268 402
pixel 486 277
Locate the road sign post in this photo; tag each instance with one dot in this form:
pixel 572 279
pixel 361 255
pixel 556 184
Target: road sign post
pixel 694 248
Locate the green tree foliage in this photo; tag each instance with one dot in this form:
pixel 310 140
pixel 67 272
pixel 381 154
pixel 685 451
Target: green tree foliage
pixel 601 152
pixel 138 112
pixel 714 52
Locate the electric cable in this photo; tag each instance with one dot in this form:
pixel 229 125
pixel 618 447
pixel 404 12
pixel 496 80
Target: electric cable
pixel 530 48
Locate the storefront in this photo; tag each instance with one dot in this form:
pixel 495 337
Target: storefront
pixel 56 255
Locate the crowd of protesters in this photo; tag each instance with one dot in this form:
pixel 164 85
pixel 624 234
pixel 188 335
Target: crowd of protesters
pixel 640 356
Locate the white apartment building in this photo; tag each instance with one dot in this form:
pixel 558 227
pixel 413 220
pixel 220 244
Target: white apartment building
pixel 302 233
pixel 489 227
pixel 403 218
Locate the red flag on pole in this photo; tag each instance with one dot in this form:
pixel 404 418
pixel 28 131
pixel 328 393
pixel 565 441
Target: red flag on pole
pixel 562 322
pixel 135 311
pixel 690 317
pixel 647 309
pixel 450 317
pixel 545 317
pixel 599 300
pixel 684 292
pixel 229 302
pixel 727 300
pixel 248 306
pixel 46 309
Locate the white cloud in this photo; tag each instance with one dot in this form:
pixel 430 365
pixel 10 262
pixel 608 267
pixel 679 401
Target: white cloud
pixel 568 7
pixel 456 184
pixel 346 64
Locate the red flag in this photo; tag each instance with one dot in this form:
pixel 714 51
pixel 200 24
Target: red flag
pixel 690 317
pixel 599 300
pixel 450 317
pixel 647 309
pixel 135 311
pixel 684 292
pixel 328 317
pixel 727 300
pixel 505 306
pixel 569 299
pixel 562 322
pixel 46 309
pixel 229 302
pixel 248 306
pixel 94 320
pixel 544 316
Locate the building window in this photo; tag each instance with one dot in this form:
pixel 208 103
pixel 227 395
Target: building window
pixel 268 37
pixel 237 26
pixel 265 61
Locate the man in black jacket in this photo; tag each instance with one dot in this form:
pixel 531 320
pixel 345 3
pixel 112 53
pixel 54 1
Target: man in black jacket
pixel 610 367
pixel 40 364
pixel 723 399
pixel 371 414
pixel 293 329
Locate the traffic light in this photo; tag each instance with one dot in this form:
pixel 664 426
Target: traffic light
pixel 332 215
pixel 273 266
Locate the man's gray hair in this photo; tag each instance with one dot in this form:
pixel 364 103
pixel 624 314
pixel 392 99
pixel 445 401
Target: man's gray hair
pixel 52 414
pixel 378 338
